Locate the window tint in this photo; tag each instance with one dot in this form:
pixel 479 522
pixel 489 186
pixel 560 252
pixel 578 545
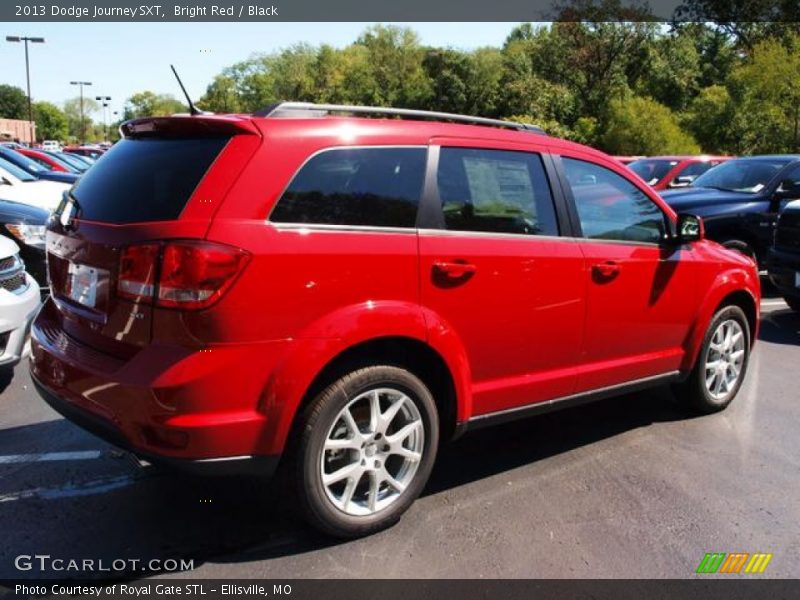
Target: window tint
pixel 652 170
pixel 495 191
pixel 610 207
pixel 145 180
pixel 16 171
pixel 792 175
pixel 377 187
pixel 695 169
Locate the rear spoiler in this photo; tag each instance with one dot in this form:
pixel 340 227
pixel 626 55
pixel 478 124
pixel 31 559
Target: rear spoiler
pixel 179 126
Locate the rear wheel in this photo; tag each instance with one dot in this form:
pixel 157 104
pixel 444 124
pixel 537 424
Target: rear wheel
pixel 722 363
pixel 366 450
pixel 794 303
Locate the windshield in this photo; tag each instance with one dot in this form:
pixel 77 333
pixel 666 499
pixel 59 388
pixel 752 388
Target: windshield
pixel 70 160
pixel 23 162
pixel 16 171
pixel 746 175
pixel 652 170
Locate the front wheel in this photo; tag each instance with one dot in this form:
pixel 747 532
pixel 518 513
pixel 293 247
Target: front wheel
pixel 366 450
pixel 722 363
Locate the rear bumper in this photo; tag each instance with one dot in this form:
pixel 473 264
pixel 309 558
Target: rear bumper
pixel 261 466
pixel 196 410
pixel 783 268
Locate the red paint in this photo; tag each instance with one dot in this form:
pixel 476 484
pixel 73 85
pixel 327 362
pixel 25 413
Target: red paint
pixel 682 163
pixel 515 319
pixel 45 158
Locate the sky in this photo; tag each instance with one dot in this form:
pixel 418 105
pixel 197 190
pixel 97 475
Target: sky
pixel 121 59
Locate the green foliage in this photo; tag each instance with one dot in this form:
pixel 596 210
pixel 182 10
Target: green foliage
pixel 13 103
pixel 643 126
pixel 766 91
pixel 150 104
pixel 76 126
pixel 600 78
pixel 51 122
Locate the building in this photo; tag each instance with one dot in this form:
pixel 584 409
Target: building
pixel 16 130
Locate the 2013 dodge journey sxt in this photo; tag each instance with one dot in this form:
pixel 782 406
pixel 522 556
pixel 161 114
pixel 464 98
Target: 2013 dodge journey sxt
pixel 339 288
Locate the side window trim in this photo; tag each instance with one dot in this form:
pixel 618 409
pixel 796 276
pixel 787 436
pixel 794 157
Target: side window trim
pixel 573 209
pixel 430 215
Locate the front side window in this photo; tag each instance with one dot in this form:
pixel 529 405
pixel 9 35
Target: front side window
pixel 375 187
pixel 610 207
pixel 495 191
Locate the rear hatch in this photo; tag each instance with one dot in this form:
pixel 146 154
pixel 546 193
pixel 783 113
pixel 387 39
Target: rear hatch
pixel 163 181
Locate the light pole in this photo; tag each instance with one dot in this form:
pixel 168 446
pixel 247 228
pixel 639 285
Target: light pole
pixel 32 40
pixel 105 100
pixel 83 123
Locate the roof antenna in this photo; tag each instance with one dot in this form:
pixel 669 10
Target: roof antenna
pixel 193 110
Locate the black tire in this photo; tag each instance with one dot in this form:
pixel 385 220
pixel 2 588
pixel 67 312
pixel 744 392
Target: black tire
pixel 794 303
pixel 694 391
pixel 319 419
pixel 742 247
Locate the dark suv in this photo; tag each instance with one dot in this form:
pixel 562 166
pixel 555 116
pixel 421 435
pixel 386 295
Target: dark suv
pixel 784 258
pixel 739 200
pixel 340 293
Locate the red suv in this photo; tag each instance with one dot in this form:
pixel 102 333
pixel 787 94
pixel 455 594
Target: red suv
pixel 341 293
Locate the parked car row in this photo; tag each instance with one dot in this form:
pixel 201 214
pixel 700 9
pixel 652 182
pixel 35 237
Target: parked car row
pixel 746 204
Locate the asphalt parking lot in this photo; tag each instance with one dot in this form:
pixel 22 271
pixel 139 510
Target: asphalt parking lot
pixel 629 487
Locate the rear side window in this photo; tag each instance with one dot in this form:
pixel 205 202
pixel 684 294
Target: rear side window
pixel 495 191
pixel 377 187
pixel 145 180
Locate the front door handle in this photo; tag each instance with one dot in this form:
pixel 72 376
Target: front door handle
pixel 609 268
pixel 454 269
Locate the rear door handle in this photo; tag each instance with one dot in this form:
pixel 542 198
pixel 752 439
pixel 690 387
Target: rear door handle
pixel 609 268
pixel 454 269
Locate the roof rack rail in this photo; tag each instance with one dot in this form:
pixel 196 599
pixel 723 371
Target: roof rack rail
pixel 309 109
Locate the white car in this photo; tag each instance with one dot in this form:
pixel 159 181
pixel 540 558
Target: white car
pixel 19 302
pixel 20 186
pixel 51 146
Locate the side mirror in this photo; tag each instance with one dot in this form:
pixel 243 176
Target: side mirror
pixel 690 229
pixel 788 190
pixel 682 181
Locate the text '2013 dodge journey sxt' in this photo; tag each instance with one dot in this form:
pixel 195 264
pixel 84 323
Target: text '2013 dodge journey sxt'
pixel 338 294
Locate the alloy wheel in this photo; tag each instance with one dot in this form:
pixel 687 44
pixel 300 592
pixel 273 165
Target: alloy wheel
pixel 725 359
pixel 372 451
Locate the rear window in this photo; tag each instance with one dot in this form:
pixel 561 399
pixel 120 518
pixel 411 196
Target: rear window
pixel 145 180
pixel 375 187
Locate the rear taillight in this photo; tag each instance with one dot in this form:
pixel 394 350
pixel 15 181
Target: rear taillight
pixel 137 272
pixel 181 274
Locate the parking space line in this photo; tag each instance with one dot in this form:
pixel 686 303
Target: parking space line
pixel 89 488
pixel 13 459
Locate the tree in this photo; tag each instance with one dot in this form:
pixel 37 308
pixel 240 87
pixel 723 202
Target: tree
pixel 643 126
pixel 766 91
pixel 72 110
pixel 394 56
pixel 710 118
pixel 150 104
pixel 13 103
pixel 51 122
